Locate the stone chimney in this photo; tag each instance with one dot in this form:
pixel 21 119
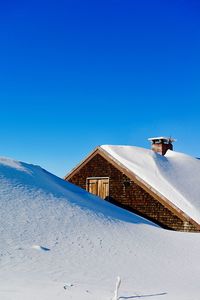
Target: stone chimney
pixel 161 144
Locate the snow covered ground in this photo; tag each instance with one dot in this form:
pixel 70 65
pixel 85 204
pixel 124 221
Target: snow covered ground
pixel 59 242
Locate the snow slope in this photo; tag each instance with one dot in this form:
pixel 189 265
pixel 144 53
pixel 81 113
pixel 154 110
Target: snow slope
pixel 59 242
pixel 175 175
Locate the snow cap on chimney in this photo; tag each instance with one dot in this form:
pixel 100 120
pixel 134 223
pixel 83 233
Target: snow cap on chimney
pixel 161 144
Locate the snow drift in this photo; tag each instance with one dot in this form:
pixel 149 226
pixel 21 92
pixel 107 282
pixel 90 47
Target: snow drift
pixel 59 242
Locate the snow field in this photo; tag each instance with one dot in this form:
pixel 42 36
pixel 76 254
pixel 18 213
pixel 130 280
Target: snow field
pixel 90 243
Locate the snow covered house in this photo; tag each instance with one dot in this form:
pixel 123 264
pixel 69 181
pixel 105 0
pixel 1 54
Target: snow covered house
pixel 161 185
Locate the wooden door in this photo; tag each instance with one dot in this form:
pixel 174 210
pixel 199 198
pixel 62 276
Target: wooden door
pixel 98 186
pixel 92 186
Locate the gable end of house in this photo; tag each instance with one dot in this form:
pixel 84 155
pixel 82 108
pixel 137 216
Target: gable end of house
pixel 106 177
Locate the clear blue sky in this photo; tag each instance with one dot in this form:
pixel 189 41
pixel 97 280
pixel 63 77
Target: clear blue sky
pixel 77 74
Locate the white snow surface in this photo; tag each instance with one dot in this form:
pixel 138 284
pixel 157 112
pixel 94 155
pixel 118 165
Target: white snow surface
pixel 176 176
pixel 59 242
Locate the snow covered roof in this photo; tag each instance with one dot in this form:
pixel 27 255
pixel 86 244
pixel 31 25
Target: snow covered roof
pixel 175 176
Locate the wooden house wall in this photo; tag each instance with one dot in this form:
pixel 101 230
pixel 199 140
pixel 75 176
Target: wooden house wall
pixel 127 194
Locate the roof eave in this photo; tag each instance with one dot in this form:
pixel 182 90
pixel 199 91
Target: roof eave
pixel 82 163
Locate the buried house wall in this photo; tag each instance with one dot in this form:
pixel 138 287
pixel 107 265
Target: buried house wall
pixel 127 194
